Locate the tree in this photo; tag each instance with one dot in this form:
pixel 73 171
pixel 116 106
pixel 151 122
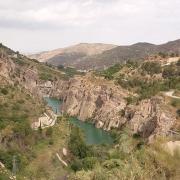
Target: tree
pixel 163 55
pixel 77 144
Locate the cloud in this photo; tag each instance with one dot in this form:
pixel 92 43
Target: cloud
pixel 60 13
pixel 91 20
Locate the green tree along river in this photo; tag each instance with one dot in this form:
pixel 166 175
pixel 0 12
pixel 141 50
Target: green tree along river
pixel 93 135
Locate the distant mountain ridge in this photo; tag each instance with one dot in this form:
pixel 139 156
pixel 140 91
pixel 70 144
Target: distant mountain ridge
pixel 97 56
pixel 120 54
pixel 76 51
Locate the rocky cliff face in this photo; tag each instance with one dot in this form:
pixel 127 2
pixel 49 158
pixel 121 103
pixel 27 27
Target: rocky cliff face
pixel 103 104
pixel 150 118
pixel 91 98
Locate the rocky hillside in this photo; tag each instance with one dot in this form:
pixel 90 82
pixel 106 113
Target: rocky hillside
pixel 67 56
pixel 97 99
pixel 120 54
pixel 122 97
pixel 100 56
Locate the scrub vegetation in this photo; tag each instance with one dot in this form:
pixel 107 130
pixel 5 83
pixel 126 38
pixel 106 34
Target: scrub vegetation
pixel 34 154
pixel 17 110
pixel 129 158
pixel 144 79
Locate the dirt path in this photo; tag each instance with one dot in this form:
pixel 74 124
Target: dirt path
pixel 170 94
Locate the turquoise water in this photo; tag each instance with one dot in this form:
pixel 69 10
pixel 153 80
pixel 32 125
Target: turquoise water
pixel 92 134
pixel 54 103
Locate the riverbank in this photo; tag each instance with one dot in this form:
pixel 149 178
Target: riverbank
pixel 92 134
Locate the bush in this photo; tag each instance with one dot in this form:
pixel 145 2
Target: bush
pixel 4 176
pixel 112 163
pixel 131 100
pixel 178 63
pixel 22 129
pixel 178 112
pixel 4 91
pixel 7 159
pixel 89 163
pixel 175 102
pixel 49 132
pixel 60 67
pixel 45 76
pixel 108 73
pixel 151 67
pixel 51 142
pixel 169 71
pixel 163 55
pixel 86 164
pixel 76 165
pixel 172 55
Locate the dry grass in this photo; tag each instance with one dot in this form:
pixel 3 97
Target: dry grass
pixel 45 165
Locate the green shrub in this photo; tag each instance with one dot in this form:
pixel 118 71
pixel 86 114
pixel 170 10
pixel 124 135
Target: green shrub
pixel 151 67
pixel 178 63
pixel 169 71
pixel 112 163
pixel 49 132
pixel 76 165
pixel 162 54
pixel 6 157
pixel 21 101
pixel 89 162
pixel 4 176
pixel 108 73
pixel 122 113
pixel 175 103
pixel 178 112
pixel 131 100
pixel 4 91
pixel 51 142
pixel 45 76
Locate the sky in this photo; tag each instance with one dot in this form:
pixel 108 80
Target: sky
pixel 38 25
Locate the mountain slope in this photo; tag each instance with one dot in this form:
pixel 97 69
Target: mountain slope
pixel 72 53
pixel 121 54
pixel 122 96
pixel 99 56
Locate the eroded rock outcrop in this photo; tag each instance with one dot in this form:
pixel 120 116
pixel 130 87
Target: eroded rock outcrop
pixel 91 98
pixel 150 118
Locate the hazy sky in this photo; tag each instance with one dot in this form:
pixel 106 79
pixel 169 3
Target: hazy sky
pixel 36 25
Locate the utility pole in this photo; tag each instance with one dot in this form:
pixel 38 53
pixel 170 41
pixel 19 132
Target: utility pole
pixel 14 163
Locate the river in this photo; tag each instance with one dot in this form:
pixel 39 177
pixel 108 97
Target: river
pixel 92 134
